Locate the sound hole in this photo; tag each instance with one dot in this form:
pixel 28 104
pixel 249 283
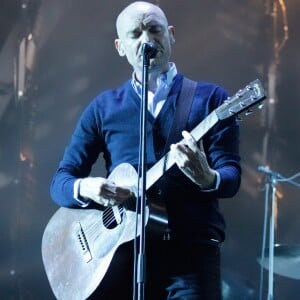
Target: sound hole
pixel 113 216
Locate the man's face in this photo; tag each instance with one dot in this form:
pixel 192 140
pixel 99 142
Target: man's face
pixel 141 24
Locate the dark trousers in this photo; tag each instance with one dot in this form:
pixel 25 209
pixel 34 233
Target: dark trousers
pixel 174 270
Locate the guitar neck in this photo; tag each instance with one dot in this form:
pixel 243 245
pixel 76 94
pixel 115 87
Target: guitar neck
pixel 166 162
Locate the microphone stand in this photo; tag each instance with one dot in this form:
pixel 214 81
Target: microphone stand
pixel 141 264
pixel 270 199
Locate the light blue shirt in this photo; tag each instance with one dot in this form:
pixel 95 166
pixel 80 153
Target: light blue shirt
pixel 156 100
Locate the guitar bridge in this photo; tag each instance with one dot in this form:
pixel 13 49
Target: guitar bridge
pixel 87 256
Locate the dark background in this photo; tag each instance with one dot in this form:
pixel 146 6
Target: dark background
pixel 70 57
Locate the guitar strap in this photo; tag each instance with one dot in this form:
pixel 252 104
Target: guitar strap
pixel 183 108
pixel 182 111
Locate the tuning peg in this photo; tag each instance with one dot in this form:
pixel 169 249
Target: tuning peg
pixel 239 118
pixel 240 93
pixel 242 104
pixel 248 112
pixel 260 105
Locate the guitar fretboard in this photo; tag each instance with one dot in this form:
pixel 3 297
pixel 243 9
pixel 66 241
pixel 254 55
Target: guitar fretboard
pixel 166 162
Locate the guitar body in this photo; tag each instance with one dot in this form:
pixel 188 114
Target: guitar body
pixel 78 244
pixel 77 249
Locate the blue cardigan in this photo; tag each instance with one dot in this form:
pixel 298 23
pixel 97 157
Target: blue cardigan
pixel 110 126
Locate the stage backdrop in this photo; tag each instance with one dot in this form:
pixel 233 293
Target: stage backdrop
pixel 55 56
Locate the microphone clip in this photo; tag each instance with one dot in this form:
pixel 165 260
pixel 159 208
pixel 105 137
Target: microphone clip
pixel 149 50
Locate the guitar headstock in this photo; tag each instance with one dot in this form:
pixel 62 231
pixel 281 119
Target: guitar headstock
pixel 251 95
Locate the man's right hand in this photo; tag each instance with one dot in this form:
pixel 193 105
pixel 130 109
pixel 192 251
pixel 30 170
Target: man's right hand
pixel 103 191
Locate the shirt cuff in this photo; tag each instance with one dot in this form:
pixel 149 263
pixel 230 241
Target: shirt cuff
pixel 217 184
pixel 76 188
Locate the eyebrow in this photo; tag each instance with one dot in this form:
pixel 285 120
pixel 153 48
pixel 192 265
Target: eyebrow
pixel 141 27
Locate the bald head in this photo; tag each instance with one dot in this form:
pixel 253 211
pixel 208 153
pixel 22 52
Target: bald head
pixel 137 10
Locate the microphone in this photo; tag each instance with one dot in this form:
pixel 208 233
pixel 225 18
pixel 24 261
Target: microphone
pixel 149 49
pixel 268 171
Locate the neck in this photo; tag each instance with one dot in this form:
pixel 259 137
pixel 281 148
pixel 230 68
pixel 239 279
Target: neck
pixel 153 77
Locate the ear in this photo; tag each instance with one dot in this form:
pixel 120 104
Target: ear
pixel 171 30
pixel 119 46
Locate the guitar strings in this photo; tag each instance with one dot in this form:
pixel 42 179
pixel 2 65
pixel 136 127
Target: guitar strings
pixel 109 218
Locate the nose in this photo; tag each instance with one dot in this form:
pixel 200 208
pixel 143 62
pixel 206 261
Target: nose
pixel 146 37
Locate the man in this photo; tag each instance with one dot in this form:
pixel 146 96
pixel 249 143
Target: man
pixel 187 265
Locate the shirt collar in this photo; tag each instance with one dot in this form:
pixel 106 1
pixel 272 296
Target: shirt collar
pixel 167 78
